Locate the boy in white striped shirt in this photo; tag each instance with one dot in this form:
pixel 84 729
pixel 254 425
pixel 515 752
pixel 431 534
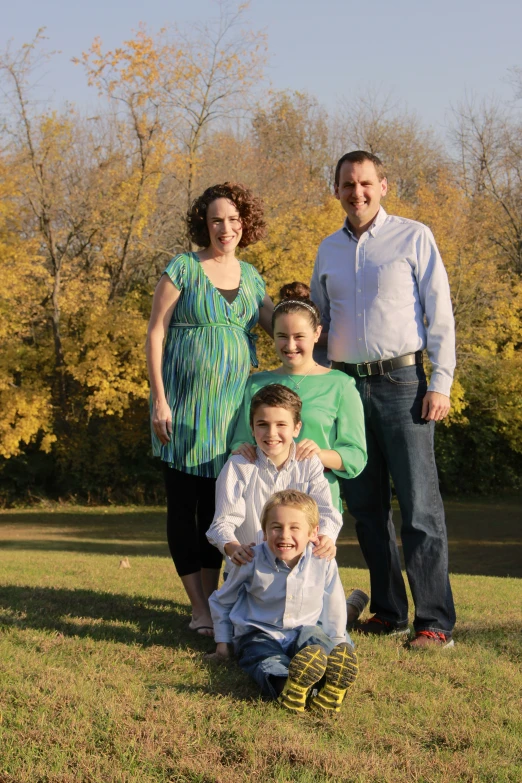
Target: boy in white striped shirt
pixel 244 487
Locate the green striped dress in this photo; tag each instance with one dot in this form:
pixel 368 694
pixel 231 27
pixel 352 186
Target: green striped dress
pixel 206 364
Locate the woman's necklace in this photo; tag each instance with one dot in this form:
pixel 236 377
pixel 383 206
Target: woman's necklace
pixel 297 385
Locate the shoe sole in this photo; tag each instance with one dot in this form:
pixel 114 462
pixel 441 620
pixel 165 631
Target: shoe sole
pixel 356 609
pixel 342 667
pixel 431 645
pixel 341 672
pixel 305 669
pixel 308 666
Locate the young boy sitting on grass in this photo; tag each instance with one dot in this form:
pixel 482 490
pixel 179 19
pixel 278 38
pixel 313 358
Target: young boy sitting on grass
pixel 285 612
pixel 243 487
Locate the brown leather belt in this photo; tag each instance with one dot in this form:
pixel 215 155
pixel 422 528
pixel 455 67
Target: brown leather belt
pixel 381 366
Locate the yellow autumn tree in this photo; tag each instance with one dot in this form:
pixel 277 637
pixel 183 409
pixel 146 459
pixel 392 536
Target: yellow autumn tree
pixel 25 392
pixel 87 222
pixel 487 301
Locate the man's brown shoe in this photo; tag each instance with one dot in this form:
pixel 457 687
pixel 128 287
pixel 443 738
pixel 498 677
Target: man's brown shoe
pixel 424 639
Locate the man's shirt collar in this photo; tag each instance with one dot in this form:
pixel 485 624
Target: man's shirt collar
pixel 374 228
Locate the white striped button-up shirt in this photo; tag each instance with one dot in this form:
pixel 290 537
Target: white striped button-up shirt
pixel 279 600
pixel 386 295
pixel 243 488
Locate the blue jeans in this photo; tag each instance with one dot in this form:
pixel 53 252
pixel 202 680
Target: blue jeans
pixel 400 444
pixel 262 657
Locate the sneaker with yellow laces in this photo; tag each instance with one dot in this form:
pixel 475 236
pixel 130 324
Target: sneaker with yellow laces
pixel 341 672
pixel 305 669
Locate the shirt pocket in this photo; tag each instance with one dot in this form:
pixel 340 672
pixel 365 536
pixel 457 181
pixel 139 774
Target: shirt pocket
pixel 312 600
pixel 396 282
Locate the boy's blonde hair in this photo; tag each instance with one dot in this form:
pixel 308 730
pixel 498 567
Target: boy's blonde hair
pixel 296 499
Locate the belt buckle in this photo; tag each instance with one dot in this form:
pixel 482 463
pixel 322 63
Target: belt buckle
pixel 363 364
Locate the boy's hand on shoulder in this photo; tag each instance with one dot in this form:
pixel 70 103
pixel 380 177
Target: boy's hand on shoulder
pixel 239 555
pixel 306 449
pixel 324 547
pixel 247 451
pixel 221 654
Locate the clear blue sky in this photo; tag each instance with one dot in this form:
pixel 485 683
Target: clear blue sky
pixel 426 53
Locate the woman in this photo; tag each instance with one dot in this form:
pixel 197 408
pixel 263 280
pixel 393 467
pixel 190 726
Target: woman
pixel 332 414
pixel 199 351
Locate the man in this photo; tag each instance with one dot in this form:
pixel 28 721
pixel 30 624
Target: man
pixel 384 296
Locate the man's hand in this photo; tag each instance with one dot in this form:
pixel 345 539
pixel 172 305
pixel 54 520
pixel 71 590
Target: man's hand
pixel 221 654
pixel 247 451
pixel 239 555
pixel 435 406
pixel 325 547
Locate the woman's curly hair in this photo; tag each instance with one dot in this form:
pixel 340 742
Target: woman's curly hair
pixel 250 210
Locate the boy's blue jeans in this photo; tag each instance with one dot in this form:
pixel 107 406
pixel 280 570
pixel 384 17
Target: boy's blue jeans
pixel 262 657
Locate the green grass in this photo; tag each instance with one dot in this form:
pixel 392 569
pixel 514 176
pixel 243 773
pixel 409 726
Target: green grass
pixel 101 681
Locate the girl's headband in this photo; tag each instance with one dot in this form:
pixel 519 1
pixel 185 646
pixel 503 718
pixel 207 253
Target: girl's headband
pixel 296 302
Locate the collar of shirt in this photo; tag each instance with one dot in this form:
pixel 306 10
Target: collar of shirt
pixel 374 228
pixel 280 565
pixel 266 462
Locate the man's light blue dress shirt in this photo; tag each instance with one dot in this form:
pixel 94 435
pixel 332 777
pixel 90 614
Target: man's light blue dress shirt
pixel 268 595
pixel 386 295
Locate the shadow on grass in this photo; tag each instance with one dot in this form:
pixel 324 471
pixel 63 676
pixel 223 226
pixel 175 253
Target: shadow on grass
pixel 120 548
pixel 484 537
pixel 100 616
pixel 224 680
pixel 476 558
pixel 129 533
pixel 132 620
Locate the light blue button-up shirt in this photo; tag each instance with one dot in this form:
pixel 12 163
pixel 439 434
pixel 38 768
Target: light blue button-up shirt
pixel 386 295
pixel 279 600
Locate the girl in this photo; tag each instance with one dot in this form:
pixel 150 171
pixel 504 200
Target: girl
pixel 332 414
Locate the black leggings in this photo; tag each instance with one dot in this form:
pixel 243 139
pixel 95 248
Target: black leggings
pixel 190 511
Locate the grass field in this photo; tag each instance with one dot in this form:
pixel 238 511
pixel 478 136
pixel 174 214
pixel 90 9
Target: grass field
pixel 101 681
